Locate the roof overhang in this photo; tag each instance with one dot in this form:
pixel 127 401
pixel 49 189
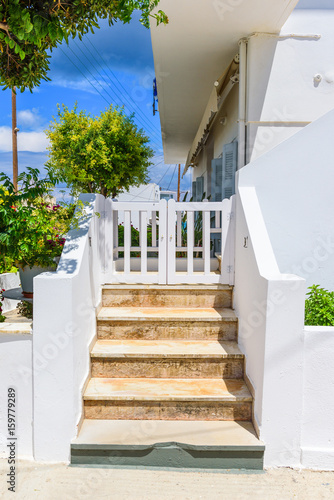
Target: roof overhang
pixel 193 50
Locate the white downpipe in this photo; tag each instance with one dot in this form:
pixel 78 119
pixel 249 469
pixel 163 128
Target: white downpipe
pixel 242 103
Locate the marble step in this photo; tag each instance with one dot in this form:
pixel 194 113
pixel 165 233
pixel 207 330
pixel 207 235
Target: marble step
pixel 218 296
pixel 168 443
pixel 167 399
pixel 166 359
pixel 151 323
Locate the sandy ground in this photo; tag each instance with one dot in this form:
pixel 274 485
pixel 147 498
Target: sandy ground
pixel 60 482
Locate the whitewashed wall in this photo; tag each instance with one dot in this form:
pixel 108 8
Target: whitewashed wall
pixel 270 309
pixel 8 281
pixel 64 326
pixel 294 185
pixel 285 208
pixel 281 84
pixel 318 401
pixel 223 134
pixel 16 372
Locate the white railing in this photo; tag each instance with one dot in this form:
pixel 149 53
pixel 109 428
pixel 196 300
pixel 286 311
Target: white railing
pixel 172 243
pixel 134 261
pixel 190 249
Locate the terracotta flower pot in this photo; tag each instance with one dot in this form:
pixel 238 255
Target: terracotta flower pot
pixel 27 275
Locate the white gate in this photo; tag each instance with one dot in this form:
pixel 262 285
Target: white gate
pixel 136 238
pixel 191 229
pixel 152 242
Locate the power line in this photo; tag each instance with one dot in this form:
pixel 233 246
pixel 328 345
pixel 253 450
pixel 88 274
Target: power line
pixel 84 65
pixel 115 92
pixel 94 68
pixel 94 78
pixel 168 167
pixel 84 76
pixel 121 85
pixel 172 178
pixel 155 165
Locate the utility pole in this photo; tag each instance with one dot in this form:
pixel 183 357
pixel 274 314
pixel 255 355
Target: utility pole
pixel 14 139
pixel 178 183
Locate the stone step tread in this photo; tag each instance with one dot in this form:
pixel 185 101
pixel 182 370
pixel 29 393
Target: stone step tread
pixel 169 288
pixel 165 314
pixel 107 349
pixel 143 433
pixel 143 389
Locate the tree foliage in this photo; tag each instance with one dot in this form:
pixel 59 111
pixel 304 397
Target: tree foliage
pixel 30 28
pixel 103 154
pixel 32 228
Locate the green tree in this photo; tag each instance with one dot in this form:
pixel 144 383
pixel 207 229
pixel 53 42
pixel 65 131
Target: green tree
pixel 103 154
pixel 30 28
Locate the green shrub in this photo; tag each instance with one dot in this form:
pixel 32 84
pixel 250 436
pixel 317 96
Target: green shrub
pixel 135 237
pixel 319 307
pixel 7 265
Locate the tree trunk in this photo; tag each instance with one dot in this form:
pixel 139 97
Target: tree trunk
pixel 104 191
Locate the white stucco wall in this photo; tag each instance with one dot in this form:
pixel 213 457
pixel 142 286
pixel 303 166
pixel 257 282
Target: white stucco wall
pixel 270 309
pixel 318 402
pixel 294 185
pixel 8 281
pixel 223 134
pixel 64 327
pixel 280 80
pixel 16 373
pixel 288 195
pixel 280 84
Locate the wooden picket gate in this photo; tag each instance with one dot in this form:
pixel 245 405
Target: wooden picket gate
pixel 171 243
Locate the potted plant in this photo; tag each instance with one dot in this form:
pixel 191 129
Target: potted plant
pixel 32 228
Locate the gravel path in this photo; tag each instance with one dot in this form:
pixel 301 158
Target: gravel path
pixel 60 482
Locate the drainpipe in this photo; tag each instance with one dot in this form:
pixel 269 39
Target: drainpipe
pixel 242 102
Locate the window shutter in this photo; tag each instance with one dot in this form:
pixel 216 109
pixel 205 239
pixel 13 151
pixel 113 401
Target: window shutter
pixel 216 179
pixel 193 191
pixel 230 157
pixel 199 188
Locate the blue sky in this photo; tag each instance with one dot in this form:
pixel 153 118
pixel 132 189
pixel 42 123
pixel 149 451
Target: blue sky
pixel 115 65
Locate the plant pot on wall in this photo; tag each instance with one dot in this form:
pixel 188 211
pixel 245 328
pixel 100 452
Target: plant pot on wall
pixel 27 275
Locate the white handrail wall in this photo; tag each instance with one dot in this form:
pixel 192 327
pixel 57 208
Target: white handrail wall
pixel 64 326
pixel 270 309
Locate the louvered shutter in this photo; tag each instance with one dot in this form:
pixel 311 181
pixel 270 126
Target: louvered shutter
pixel 193 191
pixel 216 179
pixel 230 157
pixel 199 188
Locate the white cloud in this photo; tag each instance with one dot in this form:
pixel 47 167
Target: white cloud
pixel 82 85
pixel 35 142
pixel 28 117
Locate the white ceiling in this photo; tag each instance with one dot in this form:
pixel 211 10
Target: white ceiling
pixel 194 49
